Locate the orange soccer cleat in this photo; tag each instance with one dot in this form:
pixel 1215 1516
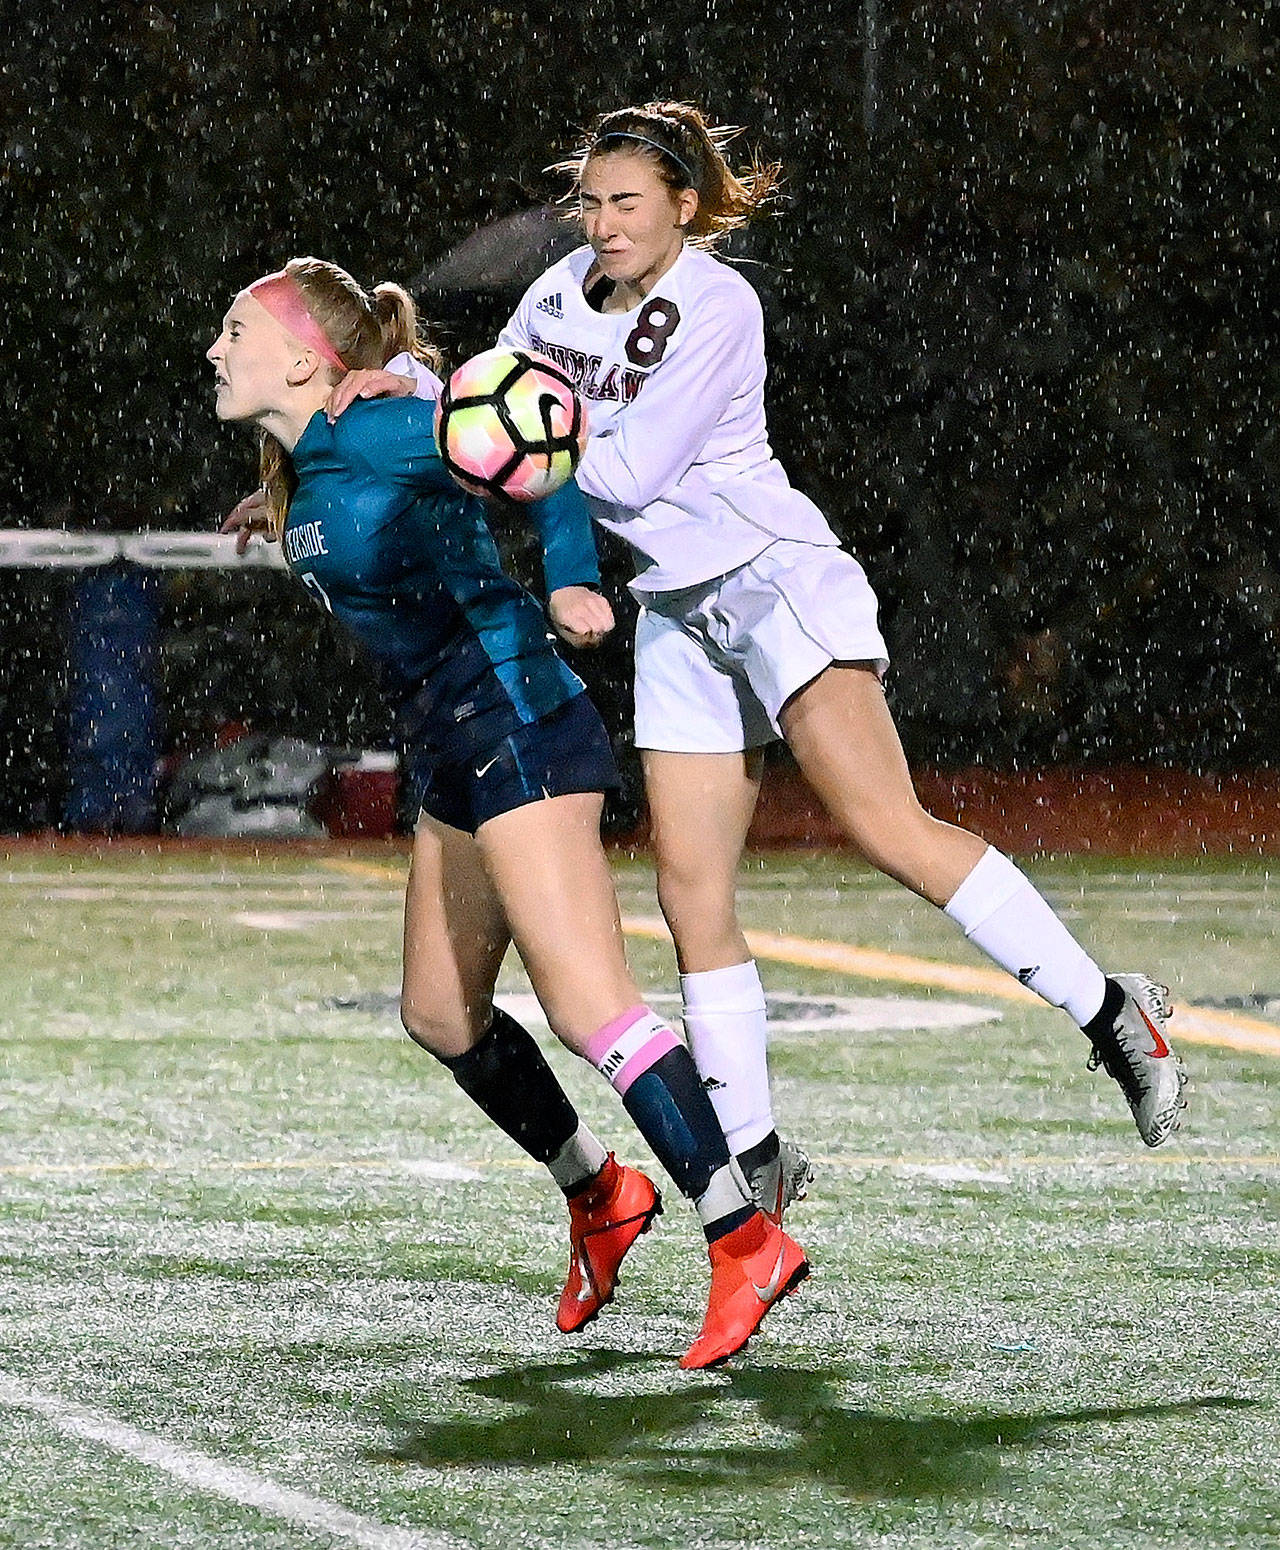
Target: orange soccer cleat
pixel 604 1221
pixel 752 1268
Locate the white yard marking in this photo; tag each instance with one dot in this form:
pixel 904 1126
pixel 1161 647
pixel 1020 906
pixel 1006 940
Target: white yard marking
pixel 287 920
pixel 801 1013
pixel 206 1473
pixel 449 1173
pixel 956 1173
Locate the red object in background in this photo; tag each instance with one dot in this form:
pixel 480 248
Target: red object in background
pixel 1107 812
pixel 1123 811
pixel 360 800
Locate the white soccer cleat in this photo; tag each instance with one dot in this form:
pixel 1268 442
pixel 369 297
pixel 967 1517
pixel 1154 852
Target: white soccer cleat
pixel 779 1183
pixel 1135 1051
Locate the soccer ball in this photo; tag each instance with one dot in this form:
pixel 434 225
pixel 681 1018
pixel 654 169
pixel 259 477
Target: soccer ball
pixel 510 424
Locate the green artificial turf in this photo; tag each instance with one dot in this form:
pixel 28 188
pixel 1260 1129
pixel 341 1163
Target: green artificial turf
pixel 241 1212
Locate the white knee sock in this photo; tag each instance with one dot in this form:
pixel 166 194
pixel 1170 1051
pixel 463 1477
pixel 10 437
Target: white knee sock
pixel 727 1029
pixel 1000 911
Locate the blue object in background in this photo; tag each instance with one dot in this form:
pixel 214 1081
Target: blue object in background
pixel 113 738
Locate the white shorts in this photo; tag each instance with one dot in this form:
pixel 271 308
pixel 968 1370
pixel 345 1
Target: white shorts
pixel 716 663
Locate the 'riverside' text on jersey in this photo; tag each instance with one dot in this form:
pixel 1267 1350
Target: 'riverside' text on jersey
pixel 386 541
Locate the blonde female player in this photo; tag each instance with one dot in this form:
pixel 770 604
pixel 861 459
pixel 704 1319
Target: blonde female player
pixel 509 761
pixel 754 624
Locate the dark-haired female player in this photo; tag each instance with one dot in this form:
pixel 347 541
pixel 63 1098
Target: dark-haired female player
pixel 755 624
pixel 510 761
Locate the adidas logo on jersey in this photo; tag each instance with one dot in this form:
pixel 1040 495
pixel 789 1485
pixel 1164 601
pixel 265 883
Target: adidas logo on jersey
pixel 550 305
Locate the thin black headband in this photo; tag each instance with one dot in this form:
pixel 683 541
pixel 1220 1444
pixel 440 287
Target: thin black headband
pixel 627 134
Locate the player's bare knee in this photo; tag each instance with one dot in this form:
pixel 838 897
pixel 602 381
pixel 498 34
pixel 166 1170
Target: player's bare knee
pixel 898 841
pixel 436 1035
pixel 694 890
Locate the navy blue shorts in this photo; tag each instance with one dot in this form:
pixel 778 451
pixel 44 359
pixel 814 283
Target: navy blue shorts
pixel 560 753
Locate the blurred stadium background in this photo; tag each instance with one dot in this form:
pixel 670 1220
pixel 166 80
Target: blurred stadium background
pixel 1022 324
pixel 266 1279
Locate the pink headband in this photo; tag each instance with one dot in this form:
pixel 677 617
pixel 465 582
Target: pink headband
pixel 282 296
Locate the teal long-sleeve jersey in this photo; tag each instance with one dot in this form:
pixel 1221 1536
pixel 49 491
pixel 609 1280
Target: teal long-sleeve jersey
pixel 382 536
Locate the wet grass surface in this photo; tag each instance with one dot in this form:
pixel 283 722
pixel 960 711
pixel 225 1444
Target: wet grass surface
pixel 254 1223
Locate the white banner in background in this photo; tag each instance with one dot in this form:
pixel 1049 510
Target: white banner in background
pixel 54 548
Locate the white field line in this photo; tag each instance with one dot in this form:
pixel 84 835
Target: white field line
pixel 301 920
pixel 209 1474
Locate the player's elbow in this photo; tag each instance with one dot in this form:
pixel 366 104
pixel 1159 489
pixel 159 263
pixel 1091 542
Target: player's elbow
pixel 623 487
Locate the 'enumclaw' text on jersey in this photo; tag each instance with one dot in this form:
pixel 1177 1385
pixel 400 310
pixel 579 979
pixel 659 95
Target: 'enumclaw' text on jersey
pixel 679 463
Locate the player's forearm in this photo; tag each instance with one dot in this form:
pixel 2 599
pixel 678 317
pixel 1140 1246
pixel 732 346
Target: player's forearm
pixel 568 544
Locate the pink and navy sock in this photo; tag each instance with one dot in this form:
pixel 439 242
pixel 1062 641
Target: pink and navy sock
pixel 654 1074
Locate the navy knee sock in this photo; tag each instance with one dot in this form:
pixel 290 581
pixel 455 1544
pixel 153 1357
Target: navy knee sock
pixel 507 1076
pixel 660 1088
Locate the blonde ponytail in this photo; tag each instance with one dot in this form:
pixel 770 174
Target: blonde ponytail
pixel 365 328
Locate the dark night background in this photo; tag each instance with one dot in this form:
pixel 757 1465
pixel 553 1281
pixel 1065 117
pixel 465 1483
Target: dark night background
pixel 1021 304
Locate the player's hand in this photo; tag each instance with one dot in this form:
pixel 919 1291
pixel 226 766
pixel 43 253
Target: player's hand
pixel 579 615
pixel 248 517
pixel 366 384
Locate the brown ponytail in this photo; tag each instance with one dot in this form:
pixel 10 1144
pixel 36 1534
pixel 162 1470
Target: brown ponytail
pixel 687 151
pixel 365 328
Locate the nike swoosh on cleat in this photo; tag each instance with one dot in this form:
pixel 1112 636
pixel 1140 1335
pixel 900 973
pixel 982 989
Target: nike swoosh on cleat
pixel 769 1290
pixel 587 1290
pixel 1159 1049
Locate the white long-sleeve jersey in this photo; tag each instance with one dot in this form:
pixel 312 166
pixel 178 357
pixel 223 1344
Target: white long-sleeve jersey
pixel 679 463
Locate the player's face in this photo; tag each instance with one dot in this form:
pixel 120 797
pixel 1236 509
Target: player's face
pixel 252 358
pixel 631 218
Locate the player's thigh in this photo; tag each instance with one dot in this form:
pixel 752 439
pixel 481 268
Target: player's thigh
pixel 549 870
pixel 455 936
pixel 842 734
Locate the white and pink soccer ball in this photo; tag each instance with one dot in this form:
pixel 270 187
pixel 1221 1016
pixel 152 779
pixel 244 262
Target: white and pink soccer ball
pixel 509 424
